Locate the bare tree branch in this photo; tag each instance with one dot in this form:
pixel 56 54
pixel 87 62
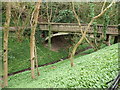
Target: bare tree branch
pixel 103 5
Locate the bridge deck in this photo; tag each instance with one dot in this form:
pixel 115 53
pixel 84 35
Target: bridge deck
pixel 73 27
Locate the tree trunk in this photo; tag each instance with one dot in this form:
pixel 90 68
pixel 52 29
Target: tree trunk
pixel 32 56
pixel 6 33
pixel 36 61
pixel 34 20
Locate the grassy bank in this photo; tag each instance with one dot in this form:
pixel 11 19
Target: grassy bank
pixel 90 71
pixel 19 55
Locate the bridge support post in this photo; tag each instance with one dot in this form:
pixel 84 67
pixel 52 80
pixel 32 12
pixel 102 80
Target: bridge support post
pixel 108 38
pixel 115 39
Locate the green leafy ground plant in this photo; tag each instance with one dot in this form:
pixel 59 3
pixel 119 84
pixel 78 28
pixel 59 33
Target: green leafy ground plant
pixel 90 71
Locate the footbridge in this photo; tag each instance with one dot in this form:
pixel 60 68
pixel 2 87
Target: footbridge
pixel 74 27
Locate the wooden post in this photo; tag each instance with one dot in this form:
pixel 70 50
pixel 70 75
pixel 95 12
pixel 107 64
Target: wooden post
pixel 109 38
pixel 6 32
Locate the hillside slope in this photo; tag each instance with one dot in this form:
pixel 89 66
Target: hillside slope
pixel 90 71
pixel 19 55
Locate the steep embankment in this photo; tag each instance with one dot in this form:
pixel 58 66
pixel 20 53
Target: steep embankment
pixel 90 71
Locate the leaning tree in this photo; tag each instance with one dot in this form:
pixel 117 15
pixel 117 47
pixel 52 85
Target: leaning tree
pixel 87 29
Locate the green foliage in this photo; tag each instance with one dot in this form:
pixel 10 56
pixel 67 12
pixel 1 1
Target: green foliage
pixel 105 23
pixel 38 37
pixel 65 16
pixel 92 11
pixel 19 52
pixel 90 71
pixel 18 55
pixel 92 14
pixel 82 9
